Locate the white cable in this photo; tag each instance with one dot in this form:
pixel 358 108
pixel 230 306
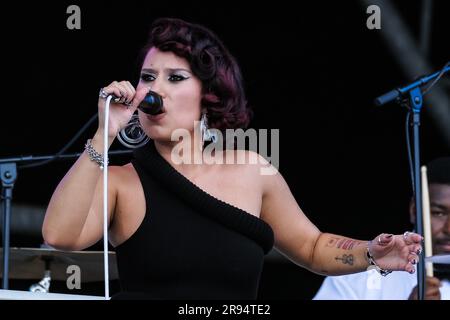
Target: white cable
pixel 105 198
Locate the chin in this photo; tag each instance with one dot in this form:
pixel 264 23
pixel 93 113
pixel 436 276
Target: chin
pixel 158 133
pixel 162 138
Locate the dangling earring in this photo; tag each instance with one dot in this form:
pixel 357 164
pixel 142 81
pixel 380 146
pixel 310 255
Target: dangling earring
pixel 206 133
pixel 133 136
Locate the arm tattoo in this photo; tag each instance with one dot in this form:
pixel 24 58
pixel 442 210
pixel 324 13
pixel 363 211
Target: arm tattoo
pixel 346 259
pixel 342 243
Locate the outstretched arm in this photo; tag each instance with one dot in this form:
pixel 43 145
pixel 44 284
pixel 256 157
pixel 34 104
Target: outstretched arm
pixel 302 242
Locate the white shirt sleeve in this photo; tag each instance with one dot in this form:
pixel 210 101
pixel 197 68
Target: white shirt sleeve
pixel 337 288
pixel 367 285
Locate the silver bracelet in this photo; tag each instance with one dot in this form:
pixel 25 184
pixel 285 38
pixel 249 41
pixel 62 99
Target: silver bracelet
pixel 93 154
pixel 372 262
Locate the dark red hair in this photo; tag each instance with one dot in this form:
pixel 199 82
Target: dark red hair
pixel 211 62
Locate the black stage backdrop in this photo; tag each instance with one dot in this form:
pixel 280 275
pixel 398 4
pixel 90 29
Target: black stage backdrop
pixel 311 71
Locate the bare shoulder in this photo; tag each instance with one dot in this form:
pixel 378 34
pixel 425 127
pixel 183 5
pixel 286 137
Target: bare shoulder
pixel 260 168
pixel 245 164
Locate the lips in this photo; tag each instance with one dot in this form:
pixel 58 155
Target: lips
pixel 443 246
pixel 156 117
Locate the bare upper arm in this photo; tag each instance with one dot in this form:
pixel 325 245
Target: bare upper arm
pixel 295 234
pixel 92 230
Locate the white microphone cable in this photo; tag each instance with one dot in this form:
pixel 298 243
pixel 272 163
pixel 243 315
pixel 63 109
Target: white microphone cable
pixel 105 198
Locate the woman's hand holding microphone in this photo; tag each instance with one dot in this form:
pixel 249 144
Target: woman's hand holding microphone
pixel 122 107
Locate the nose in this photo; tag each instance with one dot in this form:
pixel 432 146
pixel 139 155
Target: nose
pixel 446 228
pixel 158 87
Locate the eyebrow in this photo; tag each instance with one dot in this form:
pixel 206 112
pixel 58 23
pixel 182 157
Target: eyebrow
pixel 169 70
pixel 437 205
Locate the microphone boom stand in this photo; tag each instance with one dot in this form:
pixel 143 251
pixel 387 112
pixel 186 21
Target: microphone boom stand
pixel 8 173
pixel 415 101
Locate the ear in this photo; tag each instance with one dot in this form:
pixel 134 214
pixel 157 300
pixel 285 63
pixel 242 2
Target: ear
pixel 412 211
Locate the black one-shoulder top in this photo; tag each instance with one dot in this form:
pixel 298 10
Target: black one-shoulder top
pixel 190 244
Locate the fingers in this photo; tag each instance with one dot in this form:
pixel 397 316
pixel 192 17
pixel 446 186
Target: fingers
pixel 112 90
pixel 433 282
pixel 123 91
pixel 432 293
pixel 127 94
pixel 413 258
pixel 432 288
pixel 415 237
pixel 131 92
pixel 416 248
pixel 412 237
pixel 384 238
pixel 414 253
pixel 139 96
pixel 410 268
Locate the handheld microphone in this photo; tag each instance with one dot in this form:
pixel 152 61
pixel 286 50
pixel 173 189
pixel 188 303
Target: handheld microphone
pixel 133 136
pixel 152 104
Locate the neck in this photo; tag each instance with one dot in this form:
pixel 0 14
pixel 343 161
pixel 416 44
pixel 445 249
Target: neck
pixel 185 156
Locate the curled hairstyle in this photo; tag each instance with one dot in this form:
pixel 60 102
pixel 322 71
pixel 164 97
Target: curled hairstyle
pixel 223 92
